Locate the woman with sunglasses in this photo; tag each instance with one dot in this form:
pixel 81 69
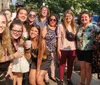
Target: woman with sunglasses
pixel 66 45
pixel 49 33
pixel 31 18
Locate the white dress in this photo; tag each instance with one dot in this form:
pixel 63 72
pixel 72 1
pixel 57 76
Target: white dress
pixel 20 65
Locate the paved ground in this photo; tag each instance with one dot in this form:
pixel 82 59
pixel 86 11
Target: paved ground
pixel 76 79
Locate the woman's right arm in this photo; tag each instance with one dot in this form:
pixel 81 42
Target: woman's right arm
pixel 59 39
pixel 11 57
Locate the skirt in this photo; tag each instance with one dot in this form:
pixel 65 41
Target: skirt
pixel 20 65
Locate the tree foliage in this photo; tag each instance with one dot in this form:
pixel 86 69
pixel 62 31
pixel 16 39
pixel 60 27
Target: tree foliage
pixel 60 6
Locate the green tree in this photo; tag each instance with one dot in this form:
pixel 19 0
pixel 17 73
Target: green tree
pixel 59 6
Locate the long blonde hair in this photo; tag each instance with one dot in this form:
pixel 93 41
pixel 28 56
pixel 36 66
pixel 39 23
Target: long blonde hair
pixel 72 22
pixel 5 40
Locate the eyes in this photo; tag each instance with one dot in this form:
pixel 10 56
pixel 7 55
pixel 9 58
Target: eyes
pixel 17 31
pixel 52 20
pixel 3 22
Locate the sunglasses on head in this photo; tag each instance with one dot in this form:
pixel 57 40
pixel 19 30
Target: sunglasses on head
pixel 32 15
pixel 53 20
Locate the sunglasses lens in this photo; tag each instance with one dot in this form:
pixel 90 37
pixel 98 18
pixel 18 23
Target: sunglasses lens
pixel 53 20
pixel 31 15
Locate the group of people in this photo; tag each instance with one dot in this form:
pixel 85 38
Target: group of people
pixel 51 41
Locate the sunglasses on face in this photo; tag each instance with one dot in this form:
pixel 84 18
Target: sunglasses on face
pixel 53 20
pixel 32 15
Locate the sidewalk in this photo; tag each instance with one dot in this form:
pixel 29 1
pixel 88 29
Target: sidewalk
pixel 76 80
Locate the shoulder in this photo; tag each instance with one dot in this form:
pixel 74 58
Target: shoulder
pixel 60 27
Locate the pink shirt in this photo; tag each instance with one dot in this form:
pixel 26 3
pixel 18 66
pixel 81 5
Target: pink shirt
pixel 65 44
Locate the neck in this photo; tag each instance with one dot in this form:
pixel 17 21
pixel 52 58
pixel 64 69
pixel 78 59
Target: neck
pixel 68 23
pixel 43 18
pixel 52 27
pixel 30 22
pixel 34 39
pixel 85 25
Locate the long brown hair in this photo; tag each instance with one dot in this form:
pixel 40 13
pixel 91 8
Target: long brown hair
pixel 72 22
pixel 43 52
pixel 5 40
pixel 39 14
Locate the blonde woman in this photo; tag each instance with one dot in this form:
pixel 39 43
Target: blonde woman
pixel 6 52
pixel 66 45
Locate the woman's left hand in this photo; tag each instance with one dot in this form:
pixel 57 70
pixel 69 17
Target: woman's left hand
pixel 9 73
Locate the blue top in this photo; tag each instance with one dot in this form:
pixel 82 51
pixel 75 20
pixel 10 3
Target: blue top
pixel 85 37
pixel 40 23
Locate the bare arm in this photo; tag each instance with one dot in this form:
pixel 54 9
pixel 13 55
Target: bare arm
pixel 59 39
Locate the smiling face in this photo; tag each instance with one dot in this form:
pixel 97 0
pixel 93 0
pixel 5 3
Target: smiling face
pixel 16 31
pixel 32 16
pixel 85 19
pixel 22 15
pixel 34 33
pixel 3 23
pixel 68 17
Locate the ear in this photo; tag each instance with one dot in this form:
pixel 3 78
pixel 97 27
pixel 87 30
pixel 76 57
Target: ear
pixel 90 19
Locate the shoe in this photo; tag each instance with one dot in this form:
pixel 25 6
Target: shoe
pixel 47 83
pixel 53 79
pixel 60 82
pixel 69 82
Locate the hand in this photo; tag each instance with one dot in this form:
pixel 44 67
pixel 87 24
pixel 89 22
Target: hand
pixel 37 72
pixel 26 45
pixel 9 73
pixel 59 53
pixel 18 54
